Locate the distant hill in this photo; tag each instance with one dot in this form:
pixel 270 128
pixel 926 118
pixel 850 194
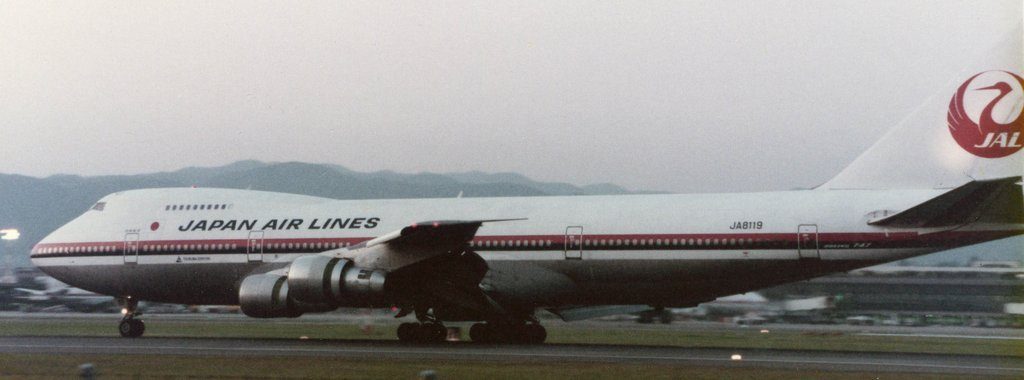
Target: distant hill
pixel 37 206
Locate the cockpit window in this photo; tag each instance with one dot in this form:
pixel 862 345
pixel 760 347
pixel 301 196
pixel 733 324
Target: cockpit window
pixel 99 206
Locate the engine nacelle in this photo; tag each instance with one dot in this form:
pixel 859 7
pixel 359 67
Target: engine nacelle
pixel 266 296
pixel 317 279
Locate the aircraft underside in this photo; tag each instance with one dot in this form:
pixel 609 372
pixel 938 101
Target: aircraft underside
pixel 668 283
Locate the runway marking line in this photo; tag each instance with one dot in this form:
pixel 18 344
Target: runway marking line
pixel 993 337
pixel 505 354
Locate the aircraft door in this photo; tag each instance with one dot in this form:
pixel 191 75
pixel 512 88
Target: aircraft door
pixel 131 248
pixel 254 248
pixel 574 243
pixel 807 241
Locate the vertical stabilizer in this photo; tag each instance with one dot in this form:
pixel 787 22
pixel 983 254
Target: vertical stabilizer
pixel 972 128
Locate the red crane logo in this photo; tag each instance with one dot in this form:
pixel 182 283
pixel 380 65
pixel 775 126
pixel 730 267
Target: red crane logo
pixel 984 136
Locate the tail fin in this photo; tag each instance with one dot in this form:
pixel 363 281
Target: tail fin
pixel 971 129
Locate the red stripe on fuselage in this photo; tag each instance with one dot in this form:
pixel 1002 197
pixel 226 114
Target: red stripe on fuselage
pixel 738 241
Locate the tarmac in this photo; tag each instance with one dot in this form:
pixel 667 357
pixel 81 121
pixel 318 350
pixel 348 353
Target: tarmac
pixel 558 353
pixel 870 362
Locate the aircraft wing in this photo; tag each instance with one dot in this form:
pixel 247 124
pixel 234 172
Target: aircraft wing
pixel 430 263
pixel 414 243
pixel 31 292
pixel 32 295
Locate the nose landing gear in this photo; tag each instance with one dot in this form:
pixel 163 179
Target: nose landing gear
pixel 129 326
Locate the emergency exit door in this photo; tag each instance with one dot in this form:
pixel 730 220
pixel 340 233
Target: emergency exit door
pixel 574 243
pixel 131 248
pixel 807 241
pixel 254 250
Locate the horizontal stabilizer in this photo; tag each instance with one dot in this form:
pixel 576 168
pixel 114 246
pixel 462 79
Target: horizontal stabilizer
pixel 994 201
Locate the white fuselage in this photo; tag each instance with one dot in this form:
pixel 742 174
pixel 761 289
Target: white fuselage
pixel 195 245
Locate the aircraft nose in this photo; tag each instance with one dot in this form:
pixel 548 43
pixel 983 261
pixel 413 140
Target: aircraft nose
pixel 37 251
pixel 46 255
pixel 47 247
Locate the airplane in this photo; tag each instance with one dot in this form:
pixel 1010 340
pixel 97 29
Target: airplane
pixel 57 293
pixel 736 305
pixel 927 186
pixel 754 307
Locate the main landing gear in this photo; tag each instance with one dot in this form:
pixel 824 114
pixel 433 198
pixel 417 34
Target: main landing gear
pixel 520 333
pixel 427 330
pixel 435 332
pixel 130 327
pixel 522 330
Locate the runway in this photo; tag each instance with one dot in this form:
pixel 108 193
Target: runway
pixel 559 353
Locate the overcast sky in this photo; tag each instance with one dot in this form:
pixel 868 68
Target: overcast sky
pixel 678 96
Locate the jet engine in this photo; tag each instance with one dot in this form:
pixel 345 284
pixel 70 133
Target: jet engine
pixel 266 296
pixel 317 279
pixel 314 283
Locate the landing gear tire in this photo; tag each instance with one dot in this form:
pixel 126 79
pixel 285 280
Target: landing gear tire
pixel 435 332
pixel 530 333
pixel 533 334
pixel 407 332
pixel 478 333
pixel 487 333
pixel 422 332
pixel 131 328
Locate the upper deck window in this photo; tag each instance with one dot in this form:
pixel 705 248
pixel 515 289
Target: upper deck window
pixel 223 206
pixel 99 206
